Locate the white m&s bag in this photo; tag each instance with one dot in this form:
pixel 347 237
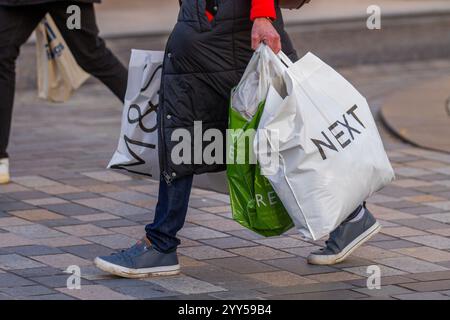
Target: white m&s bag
pixel 331 157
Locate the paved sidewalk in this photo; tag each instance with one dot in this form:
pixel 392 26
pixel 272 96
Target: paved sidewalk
pixel 64 208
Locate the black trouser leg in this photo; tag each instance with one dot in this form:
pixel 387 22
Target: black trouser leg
pixel 89 49
pixel 16 25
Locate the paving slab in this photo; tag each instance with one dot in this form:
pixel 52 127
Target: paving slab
pixel 442 217
pixel 282 278
pixel 261 253
pixel 433 241
pixel 146 292
pixel 27 291
pixel 66 208
pixel 242 265
pixel 62 261
pixel 15 261
pixel 422 296
pixel 410 265
pixel 9 280
pixel 426 286
pixel 115 241
pixel 205 252
pixel 31 250
pixel 186 285
pixel 38 272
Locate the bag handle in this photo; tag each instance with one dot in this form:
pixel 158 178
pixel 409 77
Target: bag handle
pixel 292 4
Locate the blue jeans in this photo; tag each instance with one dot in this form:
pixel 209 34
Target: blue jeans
pixel 170 213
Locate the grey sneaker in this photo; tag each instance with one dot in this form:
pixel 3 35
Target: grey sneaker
pixel 345 239
pixel 139 261
pixel 4 171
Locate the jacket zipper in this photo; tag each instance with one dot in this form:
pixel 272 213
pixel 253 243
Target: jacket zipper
pixel 164 173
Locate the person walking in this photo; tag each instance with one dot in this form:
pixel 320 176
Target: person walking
pixel 206 55
pixel 18 19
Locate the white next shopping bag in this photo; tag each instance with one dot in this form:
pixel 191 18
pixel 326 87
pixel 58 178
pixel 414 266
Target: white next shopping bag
pixel 137 149
pixel 330 152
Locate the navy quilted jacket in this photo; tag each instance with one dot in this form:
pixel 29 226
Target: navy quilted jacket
pixel 204 60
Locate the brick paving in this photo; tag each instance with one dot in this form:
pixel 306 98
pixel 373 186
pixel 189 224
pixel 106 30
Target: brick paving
pixel 63 208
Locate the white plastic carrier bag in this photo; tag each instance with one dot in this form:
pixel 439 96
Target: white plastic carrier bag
pixel 137 149
pixel 264 69
pixel 331 157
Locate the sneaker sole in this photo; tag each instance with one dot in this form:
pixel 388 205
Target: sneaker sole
pixel 348 250
pixel 136 273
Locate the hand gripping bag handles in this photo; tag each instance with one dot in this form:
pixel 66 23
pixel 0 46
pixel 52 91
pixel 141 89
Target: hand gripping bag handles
pixel 254 203
pixel 330 152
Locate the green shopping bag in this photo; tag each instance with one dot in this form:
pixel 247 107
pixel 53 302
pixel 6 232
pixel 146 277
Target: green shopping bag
pixel 254 203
